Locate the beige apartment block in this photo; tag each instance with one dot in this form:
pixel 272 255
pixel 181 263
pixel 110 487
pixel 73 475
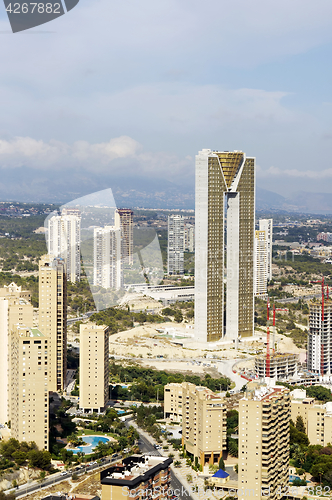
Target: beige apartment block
pixel 15 309
pixel 203 423
pixel 53 317
pixel 317 418
pixel 264 415
pixel 28 377
pixel 94 367
pixel 173 401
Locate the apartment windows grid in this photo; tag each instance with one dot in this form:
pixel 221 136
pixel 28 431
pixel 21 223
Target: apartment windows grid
pixel 175 246
pixel 64 240
pixel 224 231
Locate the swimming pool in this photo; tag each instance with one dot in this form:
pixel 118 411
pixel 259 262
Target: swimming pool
pixel 91 441
pixel 293 478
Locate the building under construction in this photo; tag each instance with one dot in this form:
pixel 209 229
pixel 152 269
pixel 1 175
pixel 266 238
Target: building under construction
pixel 319 346
pixel 282 366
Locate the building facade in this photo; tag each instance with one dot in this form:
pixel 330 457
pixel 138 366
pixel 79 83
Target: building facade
pixel 225 204
pixel 260 275
pixel 138 477
pixel 94 367
pixel 263 468
pixel 28 377
pixel 175 245
pixel 53 317
pixel 173 402
pixel 282 366
pixel 319 345
pixel 107 262
pixel 15 310
pixel 189 237
pixel 64 240
pixel 124 220
pixel 317 418
pixel 203 416
pixel 266 225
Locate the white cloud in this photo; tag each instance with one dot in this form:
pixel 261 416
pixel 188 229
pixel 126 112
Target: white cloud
pixel 40 155
pixel 294 172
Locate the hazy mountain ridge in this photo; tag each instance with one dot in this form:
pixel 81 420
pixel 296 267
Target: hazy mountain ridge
pixel 22 185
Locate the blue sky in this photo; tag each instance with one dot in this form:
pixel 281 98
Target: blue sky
pixel 151 83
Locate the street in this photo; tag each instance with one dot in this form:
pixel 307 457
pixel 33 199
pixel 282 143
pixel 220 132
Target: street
pixel 146 447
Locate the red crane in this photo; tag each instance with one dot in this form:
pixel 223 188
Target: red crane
pixel 267 371
pixel 274 328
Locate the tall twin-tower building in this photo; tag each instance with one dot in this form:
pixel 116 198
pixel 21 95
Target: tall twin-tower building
pixel 224 245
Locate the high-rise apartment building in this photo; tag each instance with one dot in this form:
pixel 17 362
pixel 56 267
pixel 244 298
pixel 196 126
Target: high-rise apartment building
pixel 124 220
pixel 64 240
pixel 203 416
pixel 15 310
pixel 94 367
pixel 107 262
pixel 264 415
pixel 189 237
pixel 319 353
pixel 53 317
pixel 28 378
pixel 225 203
pixel 260 272
pixel 173 402
pixel 267 226
pixel 175 245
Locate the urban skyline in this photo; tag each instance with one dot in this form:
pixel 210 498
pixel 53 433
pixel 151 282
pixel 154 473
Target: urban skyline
pixel 166 311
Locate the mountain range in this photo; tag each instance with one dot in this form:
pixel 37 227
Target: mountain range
pixel 136 191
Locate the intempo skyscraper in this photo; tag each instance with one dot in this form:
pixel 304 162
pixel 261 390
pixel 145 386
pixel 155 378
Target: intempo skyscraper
pixel 224 241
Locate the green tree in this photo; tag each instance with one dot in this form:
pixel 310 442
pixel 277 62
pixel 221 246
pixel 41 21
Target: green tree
pixel 20 457
pixel 178 316
pixel 221 463
pixel 318 470
pixel 300 424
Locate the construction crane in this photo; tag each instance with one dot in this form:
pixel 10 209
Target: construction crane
pixel 274 329
pixel 267 371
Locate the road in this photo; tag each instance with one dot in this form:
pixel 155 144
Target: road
pixel 26 489
pixel 225 367
pixel 296 299
pixel 146 447
pixel 71 321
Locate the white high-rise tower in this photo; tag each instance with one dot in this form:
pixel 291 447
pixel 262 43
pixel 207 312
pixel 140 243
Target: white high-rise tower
pixel 175 247
pixel 64 240
pixel 107 263
pixel 267 226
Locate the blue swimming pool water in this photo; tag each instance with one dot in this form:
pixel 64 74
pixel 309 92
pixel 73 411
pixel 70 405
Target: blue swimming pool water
pixel 292 478
pixel 92 442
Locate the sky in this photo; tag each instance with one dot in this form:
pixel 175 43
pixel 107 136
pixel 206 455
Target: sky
pixel 138 88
